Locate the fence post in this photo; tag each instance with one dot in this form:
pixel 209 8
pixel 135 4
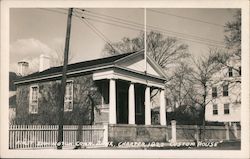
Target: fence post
pixel 173 128
pixel 196 135
pixel 105 134
pixel 235 130
pixel 227 131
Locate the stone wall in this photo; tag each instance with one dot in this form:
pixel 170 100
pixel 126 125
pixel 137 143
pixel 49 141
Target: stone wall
pixel 156 133
pixel 48 102
pixel 137 133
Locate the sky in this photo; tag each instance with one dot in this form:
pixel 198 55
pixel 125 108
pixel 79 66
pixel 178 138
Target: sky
pixel 42 31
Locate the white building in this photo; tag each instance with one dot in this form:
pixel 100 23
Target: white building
pixel 224 94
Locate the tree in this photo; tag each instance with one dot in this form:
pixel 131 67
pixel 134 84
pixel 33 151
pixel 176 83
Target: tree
pixel 12 77
pixel 57 58
pixel 204 68
pixel 233 43
pixel 233 34
pixel 164 50
pixel 179 86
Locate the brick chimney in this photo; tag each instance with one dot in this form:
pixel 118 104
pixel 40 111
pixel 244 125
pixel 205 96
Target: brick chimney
pixel 44 63
pixel 23 67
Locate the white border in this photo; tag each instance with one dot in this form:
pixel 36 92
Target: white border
pixel 6 4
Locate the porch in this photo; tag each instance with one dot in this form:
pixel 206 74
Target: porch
pixel 126 97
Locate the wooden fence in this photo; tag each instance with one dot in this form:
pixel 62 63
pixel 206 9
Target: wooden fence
pixel 45 136
pixel 193 132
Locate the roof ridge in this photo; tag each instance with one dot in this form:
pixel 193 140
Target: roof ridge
pixel 84 64
pixel 122 54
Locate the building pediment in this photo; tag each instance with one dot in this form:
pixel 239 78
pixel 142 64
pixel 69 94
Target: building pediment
pixel 136 62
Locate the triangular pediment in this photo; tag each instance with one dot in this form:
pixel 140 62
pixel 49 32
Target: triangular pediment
pixel 136 62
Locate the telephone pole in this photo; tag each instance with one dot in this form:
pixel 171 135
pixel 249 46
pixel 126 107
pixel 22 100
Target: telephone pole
pixel 63 82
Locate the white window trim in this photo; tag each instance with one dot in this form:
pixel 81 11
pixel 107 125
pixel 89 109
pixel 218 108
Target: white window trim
pixel 215 109
pixel 72 100
pixel 30 98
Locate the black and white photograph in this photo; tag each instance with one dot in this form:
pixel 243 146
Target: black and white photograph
pixel 144 79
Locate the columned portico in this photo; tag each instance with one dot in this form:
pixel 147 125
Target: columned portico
pixel 130 93
pixel 130 112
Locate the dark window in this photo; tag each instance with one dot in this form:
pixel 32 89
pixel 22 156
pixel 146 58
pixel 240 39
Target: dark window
pixel 215 109
pixel 226 109
pixel 214 92
pixel 230 72
pixel 225 90
pixel 240 71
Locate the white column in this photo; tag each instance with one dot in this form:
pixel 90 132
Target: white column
pixel 112 102
pixel 147 106
pixel 131 107
pixel 162 108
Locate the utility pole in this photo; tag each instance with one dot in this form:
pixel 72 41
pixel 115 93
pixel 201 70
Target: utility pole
pixel 63 82
pixel 145 39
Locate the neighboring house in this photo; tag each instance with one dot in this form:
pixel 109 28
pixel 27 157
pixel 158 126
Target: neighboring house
pixel 113 90
pixel 224 94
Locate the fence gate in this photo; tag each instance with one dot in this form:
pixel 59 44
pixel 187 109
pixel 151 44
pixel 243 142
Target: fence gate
pixel 45 136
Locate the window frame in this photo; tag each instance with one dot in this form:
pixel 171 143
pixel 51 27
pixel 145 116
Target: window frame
pixel 215 110
pixel 214 93
pixel 225 91
pixel 66 100
pixel 230 71
pixel 31 103
pixel 226 113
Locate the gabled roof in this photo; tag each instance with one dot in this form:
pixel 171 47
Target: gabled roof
pixel 76 66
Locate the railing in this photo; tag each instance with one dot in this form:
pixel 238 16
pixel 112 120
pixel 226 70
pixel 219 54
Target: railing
pixel 45 136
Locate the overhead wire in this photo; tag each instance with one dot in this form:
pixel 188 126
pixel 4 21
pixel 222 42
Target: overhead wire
pixel 128 25
pixel 96 31
pixel 185 17
pixel 55 11
pixel 128 22
pixel 168 32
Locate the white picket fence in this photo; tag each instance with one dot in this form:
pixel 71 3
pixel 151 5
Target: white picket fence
pixel 45 136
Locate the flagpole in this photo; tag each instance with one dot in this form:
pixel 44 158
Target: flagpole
pixel 145 39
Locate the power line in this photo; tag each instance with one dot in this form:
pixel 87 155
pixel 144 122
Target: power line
pixel 196 41
pixel 134 24
pixel 187 18
pixel 101 21
pixel 98 33
pixel 55 11
pixel 105 15
pixel 163 31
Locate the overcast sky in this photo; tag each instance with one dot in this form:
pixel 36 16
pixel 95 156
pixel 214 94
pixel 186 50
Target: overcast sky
pixel 37 31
